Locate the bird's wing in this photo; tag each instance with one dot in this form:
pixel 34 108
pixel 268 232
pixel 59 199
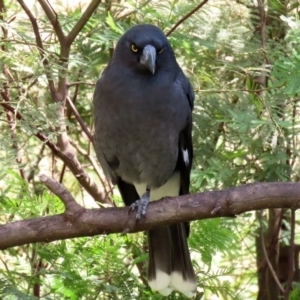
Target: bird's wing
pixel 187 88
pixel 185 145
pixel 108 164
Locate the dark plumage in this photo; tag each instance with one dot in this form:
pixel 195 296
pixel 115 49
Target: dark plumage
pixel 143 120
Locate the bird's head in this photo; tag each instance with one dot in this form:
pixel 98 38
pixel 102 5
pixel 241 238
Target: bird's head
pixel 145 49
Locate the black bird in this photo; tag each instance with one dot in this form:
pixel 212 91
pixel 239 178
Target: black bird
pixel 143 121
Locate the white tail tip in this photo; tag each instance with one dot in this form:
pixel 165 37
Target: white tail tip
pixel 161 282
pixel 188 288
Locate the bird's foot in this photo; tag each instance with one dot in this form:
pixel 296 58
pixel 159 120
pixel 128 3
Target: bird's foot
pixel 141 205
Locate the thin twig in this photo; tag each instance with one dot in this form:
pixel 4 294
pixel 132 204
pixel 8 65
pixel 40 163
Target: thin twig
pixel 291 271
pixel 239 90
pixel 262 16
pixel 262 264
pixel 80 82
pixel 35 165
pixel 186 17
pixel 53 18
pixel 62 173
pixel 80 121
pixel 127 14
pixel 267 257
pixel 40 48
pixel 106 185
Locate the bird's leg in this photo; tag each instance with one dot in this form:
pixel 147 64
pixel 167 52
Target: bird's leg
pixel 141 204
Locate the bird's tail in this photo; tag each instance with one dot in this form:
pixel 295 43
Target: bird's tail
pixel 170 267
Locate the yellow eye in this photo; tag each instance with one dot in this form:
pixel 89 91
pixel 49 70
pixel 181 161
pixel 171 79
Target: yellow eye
pixel 134 48
pixel 161 50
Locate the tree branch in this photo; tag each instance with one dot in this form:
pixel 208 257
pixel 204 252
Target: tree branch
pixel 186 17
pixel 58 189
pixel 68 158
pixel 82 21
pixel 90 222
pixel 53 18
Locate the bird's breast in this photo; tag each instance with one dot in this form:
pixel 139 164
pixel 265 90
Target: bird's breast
pixel 140 128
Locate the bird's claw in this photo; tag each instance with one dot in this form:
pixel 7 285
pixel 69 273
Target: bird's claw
pixel 141 205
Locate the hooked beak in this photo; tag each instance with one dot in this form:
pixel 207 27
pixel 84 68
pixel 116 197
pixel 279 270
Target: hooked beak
pixel 148 58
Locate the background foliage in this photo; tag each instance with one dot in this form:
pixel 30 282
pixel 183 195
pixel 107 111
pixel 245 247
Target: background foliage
pixel 243 60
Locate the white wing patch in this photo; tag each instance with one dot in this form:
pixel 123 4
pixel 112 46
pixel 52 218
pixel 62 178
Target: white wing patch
pixel 186 156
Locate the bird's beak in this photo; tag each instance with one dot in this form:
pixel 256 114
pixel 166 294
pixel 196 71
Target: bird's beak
pixel 148 59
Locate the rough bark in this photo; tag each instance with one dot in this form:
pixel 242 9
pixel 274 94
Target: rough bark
pixel 77 221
